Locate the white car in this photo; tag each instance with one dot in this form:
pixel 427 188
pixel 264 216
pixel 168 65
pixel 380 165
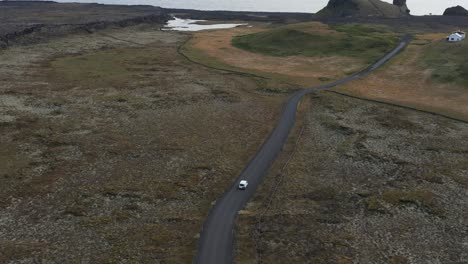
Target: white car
pixel 243 185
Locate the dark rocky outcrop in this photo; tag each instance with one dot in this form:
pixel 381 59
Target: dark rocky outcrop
pixel 40 32
pixel 402 5
pixel 27 22
pixel 364 8
pixel 456 11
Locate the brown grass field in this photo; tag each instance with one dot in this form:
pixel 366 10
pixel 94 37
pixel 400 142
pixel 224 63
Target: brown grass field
pixel 404 81
pixel 408 82
pixel 214 48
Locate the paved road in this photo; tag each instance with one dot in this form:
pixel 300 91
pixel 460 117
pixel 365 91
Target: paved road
pixel 215 245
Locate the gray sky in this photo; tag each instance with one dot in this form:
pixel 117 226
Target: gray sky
pixel 418 7
pixel 437 7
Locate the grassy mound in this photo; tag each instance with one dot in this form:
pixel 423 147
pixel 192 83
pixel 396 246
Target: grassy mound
pixel 354 41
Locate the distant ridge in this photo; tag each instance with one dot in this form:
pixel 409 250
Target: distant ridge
pixel 364 8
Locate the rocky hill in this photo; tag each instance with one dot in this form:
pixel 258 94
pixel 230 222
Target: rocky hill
pixel 364 8
pixel 456 11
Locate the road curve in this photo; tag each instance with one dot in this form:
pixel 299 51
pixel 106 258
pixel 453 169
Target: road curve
pixel 215 245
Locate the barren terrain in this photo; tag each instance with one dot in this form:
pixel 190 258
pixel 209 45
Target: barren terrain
pixel 114 146
pixel 365 183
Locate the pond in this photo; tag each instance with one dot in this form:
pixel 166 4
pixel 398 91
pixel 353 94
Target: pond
pixel 179 24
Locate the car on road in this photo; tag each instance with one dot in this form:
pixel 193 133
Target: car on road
pixel 243 185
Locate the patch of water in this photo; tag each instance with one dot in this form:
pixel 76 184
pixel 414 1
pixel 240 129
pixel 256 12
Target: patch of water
pixel 179 24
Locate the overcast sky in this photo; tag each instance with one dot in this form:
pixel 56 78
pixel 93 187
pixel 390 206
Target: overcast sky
pixel 418 7
pixel 424 7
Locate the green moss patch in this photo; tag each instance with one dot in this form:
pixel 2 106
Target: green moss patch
pixel 356 41
pixel 448 61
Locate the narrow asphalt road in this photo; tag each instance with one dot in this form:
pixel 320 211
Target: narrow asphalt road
pixel 215 245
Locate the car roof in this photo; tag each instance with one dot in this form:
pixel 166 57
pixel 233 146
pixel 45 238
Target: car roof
pixel 243 181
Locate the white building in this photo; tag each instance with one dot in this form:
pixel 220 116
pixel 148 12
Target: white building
pixel 456 36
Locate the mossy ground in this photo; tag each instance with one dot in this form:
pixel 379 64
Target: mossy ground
pixel 114 151
pixel 448 61
pixel 361 189
pixel 357 41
